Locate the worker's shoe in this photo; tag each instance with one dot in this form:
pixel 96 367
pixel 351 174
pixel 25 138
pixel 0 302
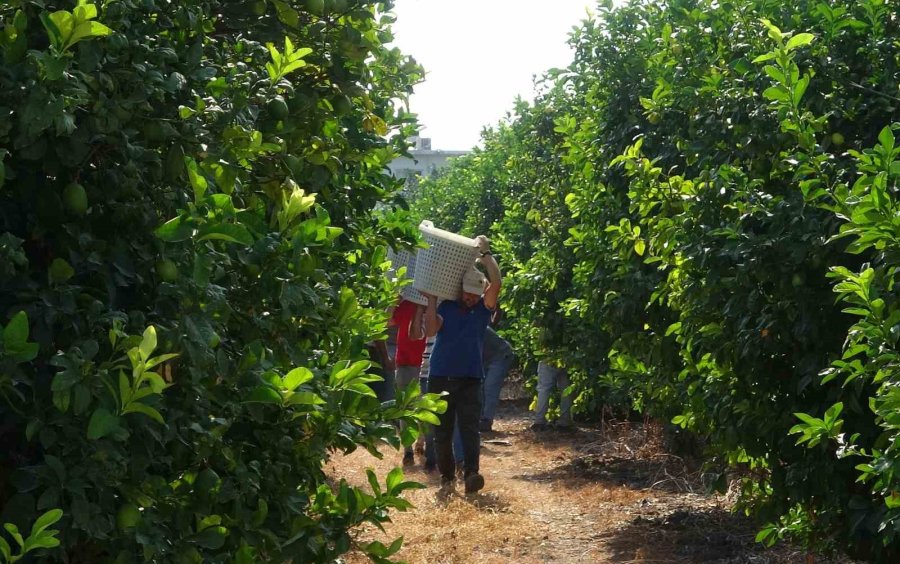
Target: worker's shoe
pixel 448 487
pixel 474 482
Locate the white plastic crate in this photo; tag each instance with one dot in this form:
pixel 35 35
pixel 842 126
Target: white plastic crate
pixel 407 259
pixel 440 268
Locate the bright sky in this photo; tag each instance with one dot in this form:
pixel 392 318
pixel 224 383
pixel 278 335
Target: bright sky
pixel 478 56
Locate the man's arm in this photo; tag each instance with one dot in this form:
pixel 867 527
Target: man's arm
pixel 386 361
pixel 416 326
pixel 433 321
pixel 493 272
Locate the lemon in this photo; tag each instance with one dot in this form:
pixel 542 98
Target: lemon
pixel 128 516
pixel 75 199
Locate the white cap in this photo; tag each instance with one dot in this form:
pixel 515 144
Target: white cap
pixel 474 282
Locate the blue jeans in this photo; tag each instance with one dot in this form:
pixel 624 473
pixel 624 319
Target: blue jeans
pixel 463 408
pixel 550 377
pixel 403 377
pixel 430 456
pixel 494 375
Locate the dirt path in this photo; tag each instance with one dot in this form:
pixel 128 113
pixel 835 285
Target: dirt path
pixel 597 495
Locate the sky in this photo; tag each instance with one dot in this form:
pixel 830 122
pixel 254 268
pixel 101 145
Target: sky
pixel 478 56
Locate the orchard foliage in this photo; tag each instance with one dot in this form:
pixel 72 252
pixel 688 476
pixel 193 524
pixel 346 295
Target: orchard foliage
pixel 190 269
pixel 715 174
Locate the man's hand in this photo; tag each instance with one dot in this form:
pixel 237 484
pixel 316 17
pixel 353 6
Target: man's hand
pixel 483 244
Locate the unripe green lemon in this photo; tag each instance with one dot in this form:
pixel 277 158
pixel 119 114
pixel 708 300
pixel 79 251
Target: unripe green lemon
pixel 167 270
pixel 174 164
pixel 837 139
pixel 75 199
pixel 259 8
pixel 798 280
pixel 342 105
pixel 128 516
pixel 316 7
pixel 677 49
pixel 206 481
pixel 278 108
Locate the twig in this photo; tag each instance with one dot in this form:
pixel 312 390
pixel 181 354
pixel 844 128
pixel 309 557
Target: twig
pixel 873 91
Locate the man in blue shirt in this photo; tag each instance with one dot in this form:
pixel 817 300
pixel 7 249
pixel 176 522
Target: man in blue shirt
pixel 456 366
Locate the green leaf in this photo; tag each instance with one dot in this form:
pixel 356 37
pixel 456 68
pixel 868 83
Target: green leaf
pixel 175 230
pixel 799 40
pixel 16 333
pixel 264 394
pixel 60 271
pixel 87 30
pixel 159 360
pixel 428 417
pixel 102 423
pixel 212 538
pixel 14 533
pixel 297 377
pixel 832 413
pixel 892 501
pixel 138 407
pixel 5 550
pixel 226 232
pixel 45 521
pixel 198 181
pixel 764 57
pixel 777 93
pixel 394 478
pixel 373 481
pixel 305 398
pixel 59 26
pixel 44 541
pixel 886 138
pixel 148 343
pixel 640 247
pixel 800 89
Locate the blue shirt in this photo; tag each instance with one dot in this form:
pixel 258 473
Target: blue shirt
pixel 458 347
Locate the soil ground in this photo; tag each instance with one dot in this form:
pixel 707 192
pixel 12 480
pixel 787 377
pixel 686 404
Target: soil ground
pixel 601 494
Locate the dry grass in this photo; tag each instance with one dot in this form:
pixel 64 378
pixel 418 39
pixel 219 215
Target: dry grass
pixel 608 494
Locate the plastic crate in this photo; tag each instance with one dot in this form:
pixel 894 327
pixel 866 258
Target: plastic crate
pixel 440 268
pixel 407 259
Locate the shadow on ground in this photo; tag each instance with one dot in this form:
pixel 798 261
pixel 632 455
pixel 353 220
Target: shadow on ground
pixel 651 475
pixel 691 535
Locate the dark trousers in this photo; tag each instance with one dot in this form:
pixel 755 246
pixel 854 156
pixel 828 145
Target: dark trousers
pixel 463 409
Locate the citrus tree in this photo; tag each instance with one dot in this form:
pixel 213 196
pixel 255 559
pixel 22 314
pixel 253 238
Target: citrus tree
pixel 190 269
pixel 720 169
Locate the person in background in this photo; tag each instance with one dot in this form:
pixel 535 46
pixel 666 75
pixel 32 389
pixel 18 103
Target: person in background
pixel 457 369
pixel 408 359
pixel 384 367
pixel 552 374
pixel 498 359
pixel 425 442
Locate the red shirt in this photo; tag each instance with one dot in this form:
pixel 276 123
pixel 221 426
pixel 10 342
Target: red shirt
pixel 409 352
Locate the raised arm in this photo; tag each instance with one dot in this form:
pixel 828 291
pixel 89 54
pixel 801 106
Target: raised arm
pixel 433 321
pixel 493 271
pixel 416 325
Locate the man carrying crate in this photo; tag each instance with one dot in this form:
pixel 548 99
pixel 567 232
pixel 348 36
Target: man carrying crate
pixel 456 366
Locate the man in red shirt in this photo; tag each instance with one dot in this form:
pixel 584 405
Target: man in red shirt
pixel 408 360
